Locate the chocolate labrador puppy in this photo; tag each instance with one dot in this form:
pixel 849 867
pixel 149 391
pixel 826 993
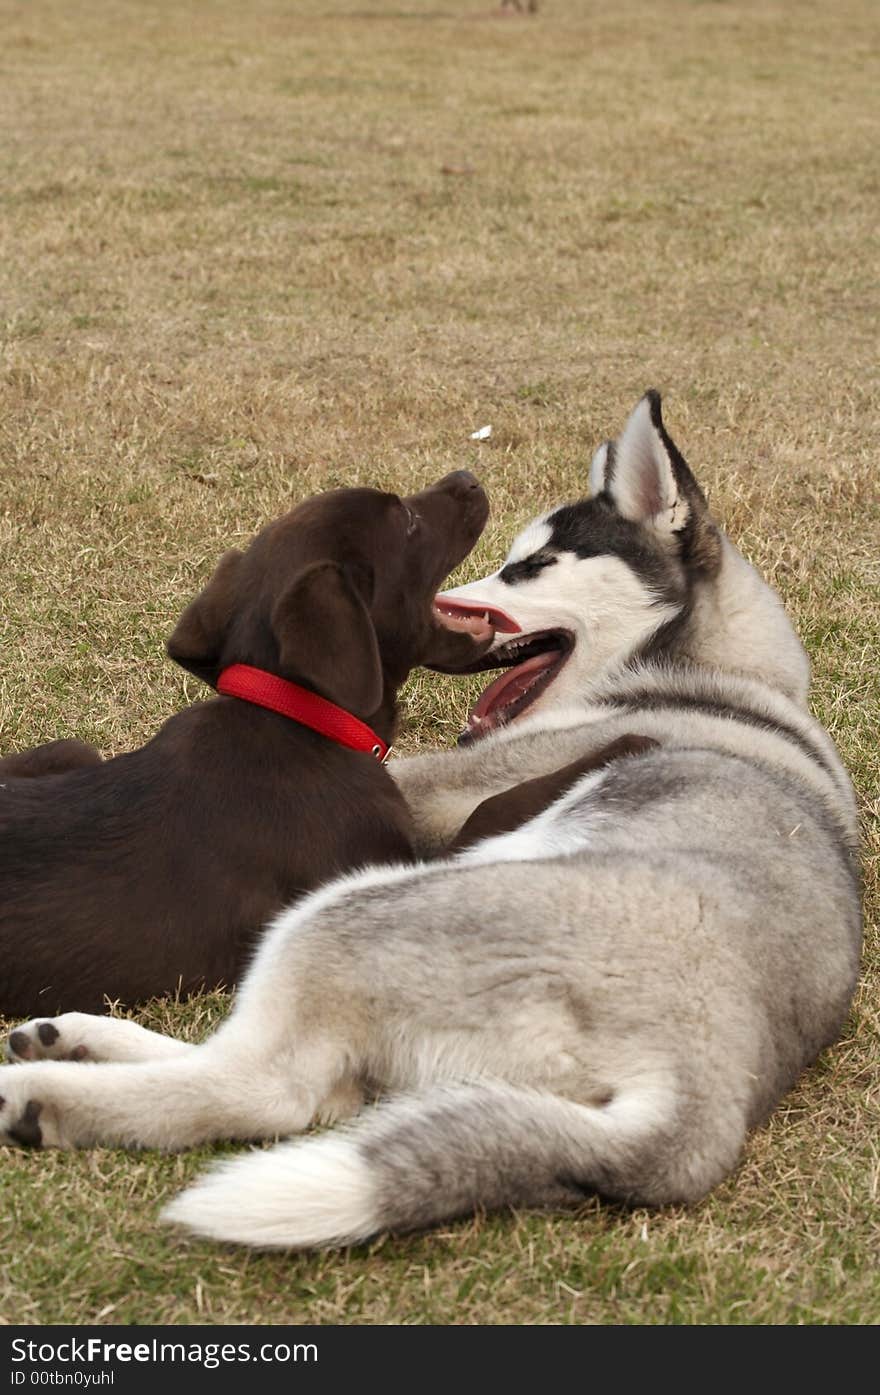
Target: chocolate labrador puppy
pixel 154 871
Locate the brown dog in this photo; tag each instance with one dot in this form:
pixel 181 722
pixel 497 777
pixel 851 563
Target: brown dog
pixel 155 870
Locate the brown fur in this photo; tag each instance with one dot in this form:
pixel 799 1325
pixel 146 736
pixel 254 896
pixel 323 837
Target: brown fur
pixel 502 813
pixel 154 871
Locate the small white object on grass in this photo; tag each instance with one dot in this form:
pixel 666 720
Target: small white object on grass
pixel 482 435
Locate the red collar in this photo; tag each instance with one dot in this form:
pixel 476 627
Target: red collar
pixel 267 690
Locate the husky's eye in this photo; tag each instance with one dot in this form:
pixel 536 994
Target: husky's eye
pixel 524 571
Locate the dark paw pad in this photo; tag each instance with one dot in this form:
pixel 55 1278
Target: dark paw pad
pixel 27 1132
pixel 47 1033
pixel 19 1043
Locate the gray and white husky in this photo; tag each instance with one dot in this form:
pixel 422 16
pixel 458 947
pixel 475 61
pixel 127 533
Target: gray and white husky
pixel 605 999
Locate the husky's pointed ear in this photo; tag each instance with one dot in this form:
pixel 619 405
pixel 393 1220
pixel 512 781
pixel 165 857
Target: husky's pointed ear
pixel 197 640
pixel 602 468
pixel 644 485
pixel 650 483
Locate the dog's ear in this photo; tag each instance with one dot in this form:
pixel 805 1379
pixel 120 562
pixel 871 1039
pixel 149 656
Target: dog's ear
pixel 602 468
pixel 325 635
pixel 643 483
pixel 647 479
pixel 197 641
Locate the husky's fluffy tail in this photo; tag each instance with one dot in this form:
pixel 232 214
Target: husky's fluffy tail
pixel 420 1159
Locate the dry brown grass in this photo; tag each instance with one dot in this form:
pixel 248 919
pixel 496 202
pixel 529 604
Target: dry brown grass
pixel 232 271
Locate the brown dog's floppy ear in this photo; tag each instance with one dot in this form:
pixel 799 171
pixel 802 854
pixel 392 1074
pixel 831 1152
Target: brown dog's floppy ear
pixel 325 635
pixel 197 641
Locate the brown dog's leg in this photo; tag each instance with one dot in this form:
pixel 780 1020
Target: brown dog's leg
pixel 509 810
pixel 52 759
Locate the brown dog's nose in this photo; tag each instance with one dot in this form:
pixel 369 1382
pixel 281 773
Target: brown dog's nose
pixel 460 483
pixel 465 480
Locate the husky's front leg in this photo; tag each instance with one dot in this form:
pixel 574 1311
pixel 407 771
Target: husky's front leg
pixel 439 796
pixel 444 788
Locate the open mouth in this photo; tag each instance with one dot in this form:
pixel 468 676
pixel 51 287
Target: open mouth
pixel 532 662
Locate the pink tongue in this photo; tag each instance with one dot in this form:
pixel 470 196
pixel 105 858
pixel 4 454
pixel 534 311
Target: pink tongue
pixel 513 684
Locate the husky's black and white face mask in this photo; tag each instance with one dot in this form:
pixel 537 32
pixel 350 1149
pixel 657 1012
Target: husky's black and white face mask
pixel 593 584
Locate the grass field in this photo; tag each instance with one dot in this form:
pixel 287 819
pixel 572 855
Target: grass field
pixel 250 251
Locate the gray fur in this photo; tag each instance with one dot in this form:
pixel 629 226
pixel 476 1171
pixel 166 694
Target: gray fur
pixel 606 999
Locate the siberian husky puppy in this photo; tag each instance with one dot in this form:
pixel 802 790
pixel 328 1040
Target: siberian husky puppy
pixel 604 999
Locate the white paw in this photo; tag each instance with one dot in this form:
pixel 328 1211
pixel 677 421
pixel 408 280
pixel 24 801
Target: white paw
pixel 53 1039
pixel 26 1119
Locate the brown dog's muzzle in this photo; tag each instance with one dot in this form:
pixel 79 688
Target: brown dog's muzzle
pixel 454 510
